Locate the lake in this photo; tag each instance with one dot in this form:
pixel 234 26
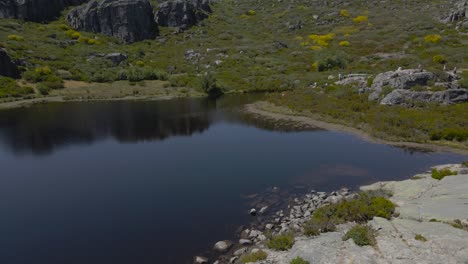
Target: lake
pixel 129 182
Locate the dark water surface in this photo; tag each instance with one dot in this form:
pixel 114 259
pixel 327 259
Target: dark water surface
pixel 158 182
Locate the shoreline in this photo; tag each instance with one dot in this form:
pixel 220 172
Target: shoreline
pixel 268 110
pixel 421 221
pixel 60 99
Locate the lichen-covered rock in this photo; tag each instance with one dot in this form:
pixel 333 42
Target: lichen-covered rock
pixel 35 10
pixel 182 13
pixel 7 66
pixel 400 79
pixel 127 20
pixel 406 97
pixel 458 15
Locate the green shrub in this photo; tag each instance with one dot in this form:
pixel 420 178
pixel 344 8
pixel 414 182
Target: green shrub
pixel 15 38
pixel 299 260
pixel 281 242
pixel 440 174
pixel 361 209
pixel 360 19
pixel 64 27
pixel 458 134
pixel 464 163
pixel 254 257
pixel 209 85
pixel 439 59
pixel 43 89
pixel 331 62
pixel 251 13
pixel 434 38
pixel 362 235
pixel 9 88
pixel 420 237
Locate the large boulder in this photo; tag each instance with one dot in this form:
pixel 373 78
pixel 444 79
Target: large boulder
pixel 7 66
pixel 127 20
pixel 407 97
pixel 400 79
pixel 458 15
pixel 182 13
pixel 35 10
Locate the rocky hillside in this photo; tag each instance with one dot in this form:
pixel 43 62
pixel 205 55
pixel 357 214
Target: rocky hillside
pixel 128 20
pixel 377 53
pixel 35 10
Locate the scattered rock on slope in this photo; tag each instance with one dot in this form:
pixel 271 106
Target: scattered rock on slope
pixel 35 10
pixel 459 14
pixel 182 13
pixel 406 97
pixel 400 79
pixel 127 20
pixel 7 66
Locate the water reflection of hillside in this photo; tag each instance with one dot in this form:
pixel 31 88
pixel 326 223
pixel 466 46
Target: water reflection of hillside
pixel 43 128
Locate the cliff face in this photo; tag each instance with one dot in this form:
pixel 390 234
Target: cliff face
pixel 127 20
pixel 182 13
pixel 35 10
pixel 7 67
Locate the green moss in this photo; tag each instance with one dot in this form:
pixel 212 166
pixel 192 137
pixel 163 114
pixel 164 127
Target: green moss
pixel 281 242
pixel 299 260
pixel 420 237
pixel 362 235
pixel 440 174
pixel 254 257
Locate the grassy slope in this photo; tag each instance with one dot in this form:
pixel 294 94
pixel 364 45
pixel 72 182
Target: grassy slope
pixel 392 37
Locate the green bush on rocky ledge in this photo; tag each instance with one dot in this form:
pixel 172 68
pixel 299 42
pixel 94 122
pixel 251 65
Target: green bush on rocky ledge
pixel 299 260
pixel 361 209
pixel 281 242
pixel 440 174
pixel 253 257
pixel 362 235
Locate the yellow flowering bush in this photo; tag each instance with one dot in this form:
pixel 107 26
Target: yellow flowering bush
pixel 344 13
pixel 345 43
pixel 360 19
pixel 433 38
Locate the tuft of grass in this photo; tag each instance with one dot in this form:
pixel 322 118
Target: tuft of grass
pixel 299 260
pixel 253 257
pixel 361 209
pixel 281 242
pixel 440 174
pixel 420 237
pixel 362 235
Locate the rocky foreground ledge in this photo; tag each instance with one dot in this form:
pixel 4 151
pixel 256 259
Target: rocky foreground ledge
pixel 430 225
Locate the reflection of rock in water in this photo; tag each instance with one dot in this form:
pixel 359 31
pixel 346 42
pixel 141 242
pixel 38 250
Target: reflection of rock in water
pixel 262 122
pixel 43 128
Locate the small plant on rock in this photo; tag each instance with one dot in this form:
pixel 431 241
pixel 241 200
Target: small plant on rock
pixel 440 174
pixel 253 257
pixel 281 242
pixel 420 237
pixel 362 235
pixel 299 260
